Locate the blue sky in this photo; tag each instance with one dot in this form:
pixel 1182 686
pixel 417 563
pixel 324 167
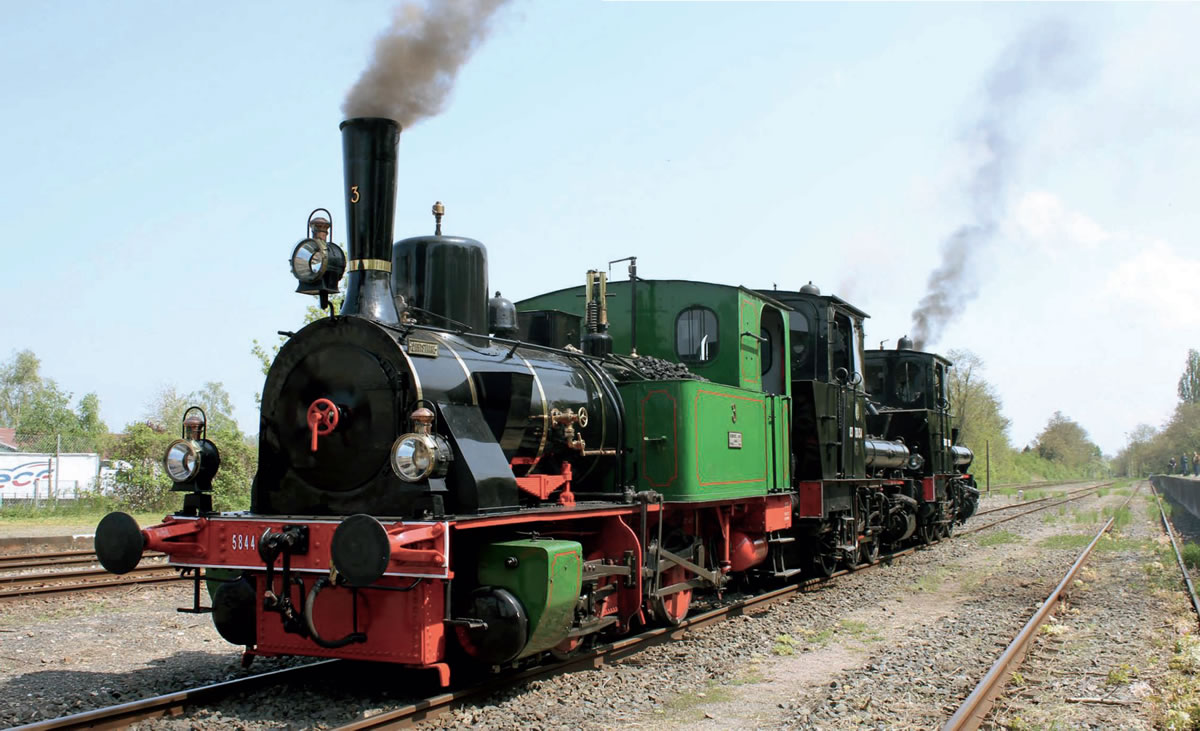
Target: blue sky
pixel 161 159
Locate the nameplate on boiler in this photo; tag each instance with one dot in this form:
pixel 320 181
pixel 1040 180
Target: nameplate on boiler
pixel 423 348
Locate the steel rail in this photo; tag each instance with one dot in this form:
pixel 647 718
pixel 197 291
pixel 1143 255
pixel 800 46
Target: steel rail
pixel 69 587
pixel 47 554
pixel 55 562
pixel 1187 577
pixel 171 704
pixel 977 705
pixel 1024 503
pixel 27 563
pixel 61 576
pixel 58 558
pixel 1008 485
pixel 1078 496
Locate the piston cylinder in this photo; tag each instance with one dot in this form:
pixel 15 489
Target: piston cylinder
pixel 963 456
pixel 884 454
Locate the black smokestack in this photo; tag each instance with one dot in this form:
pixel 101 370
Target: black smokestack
pixel 369 153
pixel 1034 62
pixel 418 58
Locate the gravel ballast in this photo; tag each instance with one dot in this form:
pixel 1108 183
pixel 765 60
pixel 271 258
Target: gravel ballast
pixel 895 646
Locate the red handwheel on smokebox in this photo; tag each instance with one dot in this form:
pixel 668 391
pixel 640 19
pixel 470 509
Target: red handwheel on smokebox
pixel 322 419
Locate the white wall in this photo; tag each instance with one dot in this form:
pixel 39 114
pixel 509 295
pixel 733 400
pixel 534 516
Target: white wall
pixel 21 473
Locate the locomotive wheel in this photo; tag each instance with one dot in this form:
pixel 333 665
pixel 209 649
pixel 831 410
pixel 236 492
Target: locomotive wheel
pixel 826 563
pixel 947 529
pixel 928 533
pixel 672 609
pixel 566 649
pixel 869 550
pixel 826 555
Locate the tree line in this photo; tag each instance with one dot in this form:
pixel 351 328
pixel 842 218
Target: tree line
pixel 41 412
pixel 1150 449
pixel 1062 450
pixel 45 421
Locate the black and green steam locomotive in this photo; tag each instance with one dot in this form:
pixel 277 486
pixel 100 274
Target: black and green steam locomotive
pixel 446 475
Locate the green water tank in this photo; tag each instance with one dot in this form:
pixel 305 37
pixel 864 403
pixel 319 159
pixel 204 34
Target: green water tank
pixel 545 576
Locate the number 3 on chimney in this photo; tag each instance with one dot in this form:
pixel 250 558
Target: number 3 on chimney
pixel 354 194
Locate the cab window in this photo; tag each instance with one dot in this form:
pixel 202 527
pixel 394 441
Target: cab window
pixel 766 351
pixel 843 344
pixel 859 357
pixel 876 380
pixel 908 382
pixel 696 335
pixel 801 337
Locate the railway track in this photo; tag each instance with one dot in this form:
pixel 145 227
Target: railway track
pixel 435 705
pixel 1187 577
pixel 1078 494
pixel 55 558
pixel 974 710
pixel 172 704
pixel 439 703
pixel 64 582
pixel 35 574
pixel 1025 503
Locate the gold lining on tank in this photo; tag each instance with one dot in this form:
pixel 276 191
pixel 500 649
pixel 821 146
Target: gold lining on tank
pixel 413 369
pixel 466 371
pixel 379 265
pixel 545 412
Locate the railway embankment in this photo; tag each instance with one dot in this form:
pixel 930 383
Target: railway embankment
pixel 1180 491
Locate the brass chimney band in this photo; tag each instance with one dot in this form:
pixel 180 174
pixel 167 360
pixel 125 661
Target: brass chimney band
pixel 379 265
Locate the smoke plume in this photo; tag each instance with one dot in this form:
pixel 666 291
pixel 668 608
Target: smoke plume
pixel 1037 60
pixel 417 59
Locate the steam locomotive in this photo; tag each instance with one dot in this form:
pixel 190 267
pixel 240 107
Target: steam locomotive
pixel 448 478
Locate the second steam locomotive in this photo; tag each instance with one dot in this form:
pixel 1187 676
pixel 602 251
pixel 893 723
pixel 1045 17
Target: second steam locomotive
pixel 446 478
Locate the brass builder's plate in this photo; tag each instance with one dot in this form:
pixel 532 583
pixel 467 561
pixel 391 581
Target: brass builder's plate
pixel 422 347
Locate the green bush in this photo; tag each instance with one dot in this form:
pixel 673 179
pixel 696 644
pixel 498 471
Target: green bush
pixel 141 484
pixel 1191 556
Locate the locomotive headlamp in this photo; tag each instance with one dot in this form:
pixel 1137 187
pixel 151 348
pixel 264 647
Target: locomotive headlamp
pixel 192 460
pixel 189 460
pixel 421 454
pixel 915 461
pixel 182 461
pixel 417 457
pixel 314 260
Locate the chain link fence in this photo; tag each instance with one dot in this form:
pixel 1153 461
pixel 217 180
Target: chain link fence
pixel 50 443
